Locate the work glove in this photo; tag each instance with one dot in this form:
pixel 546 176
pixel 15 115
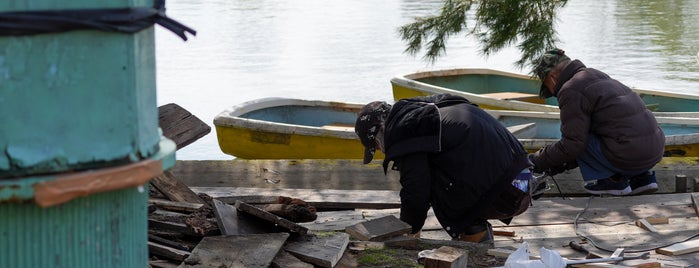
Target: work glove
pixel 552 170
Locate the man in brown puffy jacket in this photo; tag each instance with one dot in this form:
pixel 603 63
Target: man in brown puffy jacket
pixel 606 129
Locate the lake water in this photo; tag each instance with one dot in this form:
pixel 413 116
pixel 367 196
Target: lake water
pixel 348 50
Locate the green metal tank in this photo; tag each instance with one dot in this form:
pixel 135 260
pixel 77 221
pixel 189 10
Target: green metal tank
pixel 79 140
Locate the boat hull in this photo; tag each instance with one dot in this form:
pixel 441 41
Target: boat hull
pixel 277 128
pixel 498 90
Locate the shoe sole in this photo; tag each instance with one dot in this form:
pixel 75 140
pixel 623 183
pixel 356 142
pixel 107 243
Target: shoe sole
pixel 625 191
pixel 645 189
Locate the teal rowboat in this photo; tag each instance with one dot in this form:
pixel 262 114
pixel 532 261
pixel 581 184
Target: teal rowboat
pixel 498 90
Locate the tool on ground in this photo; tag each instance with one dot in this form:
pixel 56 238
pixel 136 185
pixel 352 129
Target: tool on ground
pixel 589 255
pixel 615 259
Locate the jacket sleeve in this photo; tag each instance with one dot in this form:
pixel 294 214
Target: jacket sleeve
pixel 415 192
pixel 575 129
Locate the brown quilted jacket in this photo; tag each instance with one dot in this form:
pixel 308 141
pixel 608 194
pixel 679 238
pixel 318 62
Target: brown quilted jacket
pixel 592 102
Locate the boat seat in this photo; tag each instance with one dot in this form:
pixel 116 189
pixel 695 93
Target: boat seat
pixel 526 97
pixel 339 126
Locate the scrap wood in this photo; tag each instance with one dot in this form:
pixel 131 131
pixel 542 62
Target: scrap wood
pixel 175 205
pixel 379 229
pixel 253 250
pixel 643 223
pixel 504 233
pixel 181 126
pixel 680 248
pixel 169 243
pixel 174 189
pixel 323 251
pixel 444 257
pixel 269 217
pixel 230 222
pixel 162 264
pixel 167 252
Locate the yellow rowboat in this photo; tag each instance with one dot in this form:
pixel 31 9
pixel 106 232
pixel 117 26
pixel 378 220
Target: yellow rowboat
pixel 498 90
pixel 281 128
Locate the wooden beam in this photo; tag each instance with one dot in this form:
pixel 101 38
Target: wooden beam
pixel 232 223
pixel 269 217
pixel 167 252
pixel 175 205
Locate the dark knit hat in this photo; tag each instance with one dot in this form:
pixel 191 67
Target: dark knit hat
pixel 369 121
pixel 543 66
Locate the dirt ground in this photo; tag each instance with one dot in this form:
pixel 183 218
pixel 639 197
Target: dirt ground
pixel 406 258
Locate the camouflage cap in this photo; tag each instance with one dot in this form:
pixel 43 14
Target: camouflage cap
pixel 543 66
pixel 369 121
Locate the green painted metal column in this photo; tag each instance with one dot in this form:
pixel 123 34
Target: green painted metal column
pixel 79 139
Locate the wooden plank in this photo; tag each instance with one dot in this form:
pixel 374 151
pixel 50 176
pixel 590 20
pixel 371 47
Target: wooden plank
pixel 323 251
pixel 180 125
pixel 319 198
pixel 348 174
pixel 232 223
pixel 253 250
pixel 279 221
pixel 174 189
pixel 167 252
pixel 162 264
pixel 445 257
pixel 680 248
pixel 379 229
pixel 175 205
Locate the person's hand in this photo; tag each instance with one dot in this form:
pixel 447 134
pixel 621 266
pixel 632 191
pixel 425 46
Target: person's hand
pixel 534 168
pixel 561 168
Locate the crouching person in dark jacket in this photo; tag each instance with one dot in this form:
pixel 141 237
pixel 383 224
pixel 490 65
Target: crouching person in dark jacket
pixel 452 156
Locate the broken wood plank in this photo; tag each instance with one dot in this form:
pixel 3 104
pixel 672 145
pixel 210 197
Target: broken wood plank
pixel 180 125
pixel 643 223
pixel 379 229
pixel 230 222
pixel 167 252
pixel 445 257
pixel 253 250
pixel 175 205
pixel 174 189
pixel 287 260
pixel 680 248
pixel 172 226
pixel 257 212
pixel 504 233
pixel 323 251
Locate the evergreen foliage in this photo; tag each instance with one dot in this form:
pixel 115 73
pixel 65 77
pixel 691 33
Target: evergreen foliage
pixel 497 24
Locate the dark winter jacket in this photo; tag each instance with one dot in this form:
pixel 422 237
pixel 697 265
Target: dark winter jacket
pixel 451 155
pixel 592 102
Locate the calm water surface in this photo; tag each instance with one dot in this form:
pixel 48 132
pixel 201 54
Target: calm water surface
pixel 349 50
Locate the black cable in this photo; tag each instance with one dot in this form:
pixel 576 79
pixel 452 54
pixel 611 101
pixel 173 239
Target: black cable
pixel 127 20
pixel 591 241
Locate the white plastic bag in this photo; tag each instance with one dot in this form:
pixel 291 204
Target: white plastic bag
pixel 520 259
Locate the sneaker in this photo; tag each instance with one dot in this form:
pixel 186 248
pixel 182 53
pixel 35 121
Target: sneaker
pixel 613 186
pixel 643 184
